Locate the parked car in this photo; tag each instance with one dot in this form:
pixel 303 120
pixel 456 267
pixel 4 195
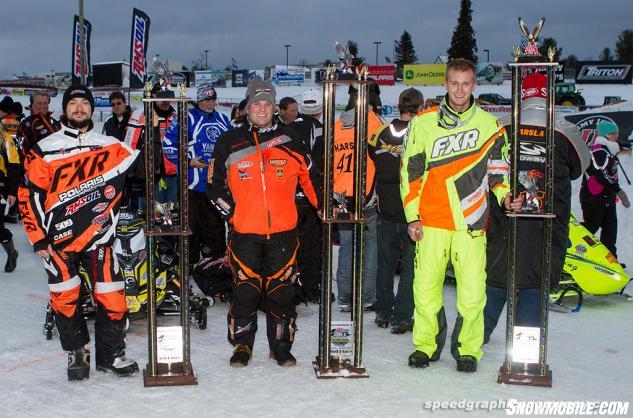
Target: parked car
pixel 493 99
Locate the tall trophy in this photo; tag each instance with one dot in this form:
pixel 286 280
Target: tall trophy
pixel 532 178
pixel 169 361
pixel 336 211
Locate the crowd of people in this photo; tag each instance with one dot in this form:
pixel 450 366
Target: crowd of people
pixel 437 191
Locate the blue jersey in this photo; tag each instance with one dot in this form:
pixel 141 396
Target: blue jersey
pixel 203 130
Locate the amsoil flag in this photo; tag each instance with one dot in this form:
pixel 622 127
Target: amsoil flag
pixel 138 48
pixel 76 52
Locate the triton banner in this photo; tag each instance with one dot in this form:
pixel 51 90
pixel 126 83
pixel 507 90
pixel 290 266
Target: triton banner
pixel 76 51
pixel 138 48
pixel 601 72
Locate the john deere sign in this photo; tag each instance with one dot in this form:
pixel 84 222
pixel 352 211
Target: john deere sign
pixel 424 74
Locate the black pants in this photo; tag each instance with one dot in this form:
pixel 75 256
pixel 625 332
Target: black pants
pixel 206 226
pixel 604 217
pixel 5 234
pixel 310 249
pixel 263 274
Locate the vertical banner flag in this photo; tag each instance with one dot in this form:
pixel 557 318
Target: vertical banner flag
pixel 234 64
pixel 76 52
pixel 138 48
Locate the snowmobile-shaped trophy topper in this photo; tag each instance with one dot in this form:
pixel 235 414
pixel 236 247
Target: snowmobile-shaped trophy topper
pixel 532 178
pixel 169 355
pixel 341 342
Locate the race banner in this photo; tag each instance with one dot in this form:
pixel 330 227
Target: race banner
pixel 587 123
pixel 138 48
pixel 383 75
pixel 424 74
pixel 282 75
pixel 602 72
pixel 76 51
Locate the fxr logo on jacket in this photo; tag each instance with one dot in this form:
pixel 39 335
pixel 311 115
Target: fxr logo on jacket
pixel 449 144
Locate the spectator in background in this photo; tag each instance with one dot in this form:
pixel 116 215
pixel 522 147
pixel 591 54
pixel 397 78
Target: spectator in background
pixel 600 188
pixel 310 132
pixel 204 127
pixel 394 244
pixel 6 106
pixel 344 192
pixel 166 181
pixel 288 110
pixel 38 125
pixel 9 181
pixel 238 114
pixel 116 124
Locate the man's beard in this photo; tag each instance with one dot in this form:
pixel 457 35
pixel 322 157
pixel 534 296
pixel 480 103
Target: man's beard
pixel 78 124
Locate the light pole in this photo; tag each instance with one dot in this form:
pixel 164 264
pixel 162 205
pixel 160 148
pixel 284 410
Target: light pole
pixel 206 61
pixel 377 43
pixel 487 51
pixel 287 46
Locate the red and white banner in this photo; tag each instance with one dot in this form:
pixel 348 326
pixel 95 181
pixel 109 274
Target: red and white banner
pixel 76 55
pixel 384 75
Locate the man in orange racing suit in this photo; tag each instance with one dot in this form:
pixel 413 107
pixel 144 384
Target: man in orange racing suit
pixel 253 179
pixel 70 206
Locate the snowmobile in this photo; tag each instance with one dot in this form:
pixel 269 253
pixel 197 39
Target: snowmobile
pixel 131 253
pixel 589 268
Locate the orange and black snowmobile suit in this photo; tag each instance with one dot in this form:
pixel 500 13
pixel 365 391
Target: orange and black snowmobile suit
pixel 253 181
pixel 70 203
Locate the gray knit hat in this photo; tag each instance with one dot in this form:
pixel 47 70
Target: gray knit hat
pixel 260 90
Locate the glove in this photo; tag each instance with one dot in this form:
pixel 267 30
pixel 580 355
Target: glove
pixel 624 198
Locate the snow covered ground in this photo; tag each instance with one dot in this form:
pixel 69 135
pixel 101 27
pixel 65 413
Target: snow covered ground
pixel 589 354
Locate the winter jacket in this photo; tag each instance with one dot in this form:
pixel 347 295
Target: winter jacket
pixel 9 165
pixel 447 171
pixel 135 137
pixel 310 132
pixel 34 128
pixel 600 182
pixel 385 149
pixel 115 127
pixel 570 158
pixel 344 145
pixel 254 175
pixel 203 131
pixel 72 192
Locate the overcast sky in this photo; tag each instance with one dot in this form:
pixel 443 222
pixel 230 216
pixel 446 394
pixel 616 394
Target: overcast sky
pixel 35 35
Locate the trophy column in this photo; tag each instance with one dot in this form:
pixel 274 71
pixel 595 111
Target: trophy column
pixel 336 212
pixel 526 347
pixel 169 358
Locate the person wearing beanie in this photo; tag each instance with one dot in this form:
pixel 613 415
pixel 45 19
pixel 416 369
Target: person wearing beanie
pixel 69 204
pixel 600 189
pixel 253 178
pixel 571 158
pixel 204 127
pixel 394 245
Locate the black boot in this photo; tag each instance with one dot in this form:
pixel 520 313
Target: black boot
pixel 466 364
pixel 12 256
pixel 121 366
pixel 241 356
pixel 282 354
pixel 419 360
pixel 78 364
